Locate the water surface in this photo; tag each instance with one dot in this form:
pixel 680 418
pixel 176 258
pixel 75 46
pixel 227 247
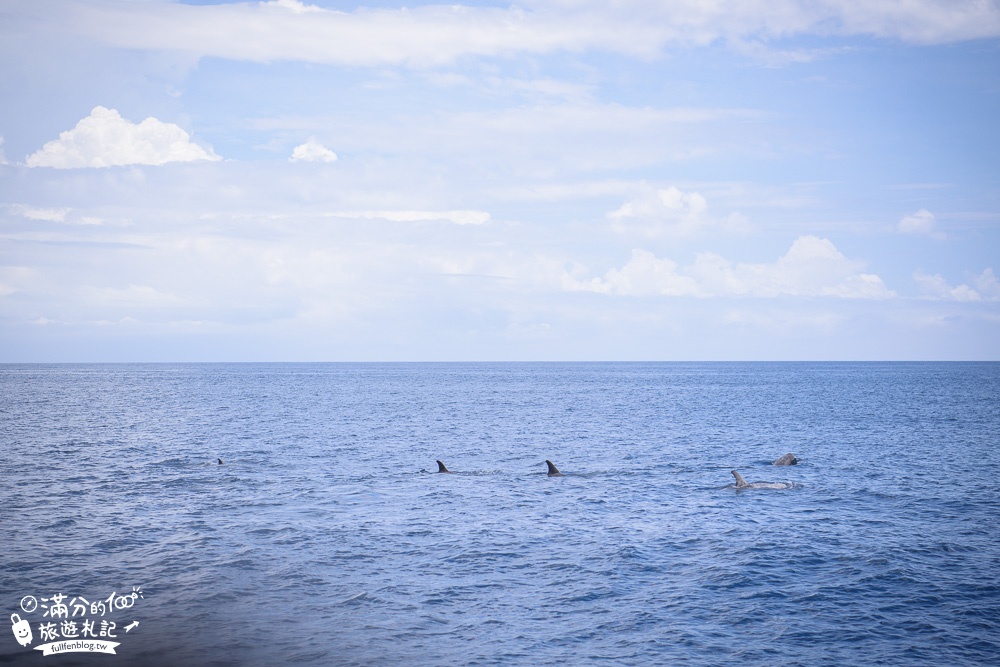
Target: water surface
pixel 325 539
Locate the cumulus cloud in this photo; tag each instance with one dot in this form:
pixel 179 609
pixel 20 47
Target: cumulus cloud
pixel 644 275
pixel 988 284
pixel 682 210
pixel 467 217
pixel 987 287
pixel 105 139
pixel 656 212
pixel 440 34
pixel 312 151
pixel 922 222
pixel 812 267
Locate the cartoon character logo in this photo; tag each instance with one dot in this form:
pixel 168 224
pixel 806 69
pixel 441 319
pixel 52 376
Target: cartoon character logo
pixel 22 630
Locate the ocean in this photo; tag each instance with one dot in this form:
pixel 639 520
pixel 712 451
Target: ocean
pixel 328 538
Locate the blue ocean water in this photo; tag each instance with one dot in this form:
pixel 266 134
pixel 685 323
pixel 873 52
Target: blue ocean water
pixel 327 539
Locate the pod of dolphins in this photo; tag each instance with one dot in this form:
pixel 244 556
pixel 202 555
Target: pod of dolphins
pixel 553 470
pixel 786 460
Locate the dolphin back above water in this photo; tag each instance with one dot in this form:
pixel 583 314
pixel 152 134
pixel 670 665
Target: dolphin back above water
pixel 743 484
pixel 786 460
pixel 553 470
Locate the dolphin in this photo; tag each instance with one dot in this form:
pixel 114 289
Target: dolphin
pixel 743 484
pixel 786 460
pixel 553 470
pixel 220 462
pixel 442 467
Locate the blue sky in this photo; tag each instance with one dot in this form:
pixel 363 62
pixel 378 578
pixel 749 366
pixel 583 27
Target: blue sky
pixel 687 180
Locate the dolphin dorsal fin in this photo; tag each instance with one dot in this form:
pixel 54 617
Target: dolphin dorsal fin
pixel 553 470
pixel 220 462
pixel 740 482
pixel 442 467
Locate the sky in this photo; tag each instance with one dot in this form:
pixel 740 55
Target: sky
pixel 546 180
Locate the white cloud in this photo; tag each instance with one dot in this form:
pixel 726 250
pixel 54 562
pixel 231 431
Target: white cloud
pixel 294 6
pixel 32 213
pixel 657 212
pixel 105 139
pixel 643 275
pixel 988 285
pixel 440 34
pixel 654 212
pixel 811 267
pixel 312 151
pixel 3 158
pixel 133 296
pixel 920 222
pixel 92 220
pixel 468 217
pixel 937 287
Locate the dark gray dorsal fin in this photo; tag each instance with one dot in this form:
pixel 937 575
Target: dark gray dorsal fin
pixel 553 470
pixel 740 482
pixel 220 462
pixel 442 467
